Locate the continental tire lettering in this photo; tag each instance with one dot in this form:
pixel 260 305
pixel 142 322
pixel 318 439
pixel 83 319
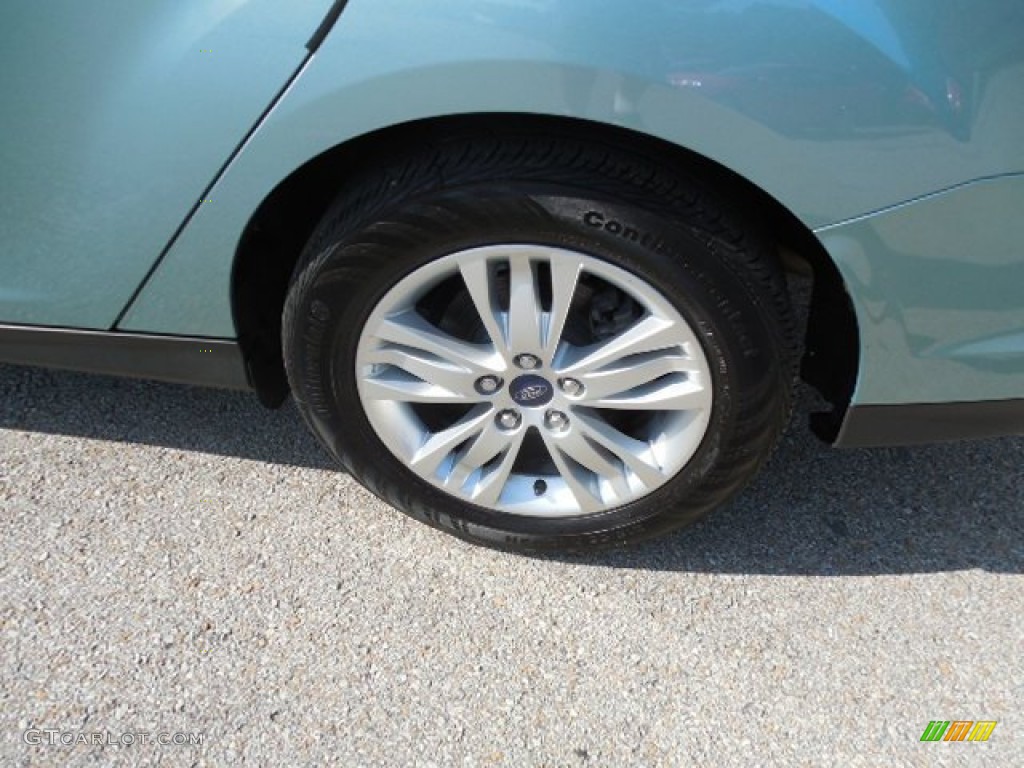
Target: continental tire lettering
pixel 597 220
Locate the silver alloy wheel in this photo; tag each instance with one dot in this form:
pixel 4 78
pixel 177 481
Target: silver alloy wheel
pixel 603 391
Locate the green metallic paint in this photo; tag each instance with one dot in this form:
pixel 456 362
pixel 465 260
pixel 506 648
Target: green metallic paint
pixel 834 112
pixel 940 295
pixel 116 117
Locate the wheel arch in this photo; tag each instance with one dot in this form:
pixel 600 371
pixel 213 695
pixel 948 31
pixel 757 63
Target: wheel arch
pixel 276 233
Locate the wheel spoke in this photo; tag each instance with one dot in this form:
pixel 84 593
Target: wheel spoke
pixel 410 329
pixel 582 484
pixel 405 389
pixel 575 445
pixel 524 307
pixel 477 274
pixel 634 454
pixel 565 274
pixel 439 380
pixel 488 489
pixel 437 447
pixel 650 334
pixel 671 393
pixel 638 371
pixel 485 446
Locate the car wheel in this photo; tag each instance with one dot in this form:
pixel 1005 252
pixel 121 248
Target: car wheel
pixel 540 344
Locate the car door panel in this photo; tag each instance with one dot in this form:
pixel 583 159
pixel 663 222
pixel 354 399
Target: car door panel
pixel 116 118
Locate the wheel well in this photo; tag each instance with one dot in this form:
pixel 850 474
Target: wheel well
pixel 278 231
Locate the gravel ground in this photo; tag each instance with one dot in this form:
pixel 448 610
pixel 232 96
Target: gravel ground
pixel 179 561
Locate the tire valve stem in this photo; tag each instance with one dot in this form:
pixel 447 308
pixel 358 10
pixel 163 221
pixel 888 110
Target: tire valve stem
pixel 540 488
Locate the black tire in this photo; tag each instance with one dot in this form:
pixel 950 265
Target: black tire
pixel 671 231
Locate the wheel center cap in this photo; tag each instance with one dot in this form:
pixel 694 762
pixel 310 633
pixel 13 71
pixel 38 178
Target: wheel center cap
pixel 531 391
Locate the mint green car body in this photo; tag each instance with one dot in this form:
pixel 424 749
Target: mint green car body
pixel 140 139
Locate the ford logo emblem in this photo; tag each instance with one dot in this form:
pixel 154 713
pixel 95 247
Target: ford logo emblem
pixel 531 391
pixel 534 392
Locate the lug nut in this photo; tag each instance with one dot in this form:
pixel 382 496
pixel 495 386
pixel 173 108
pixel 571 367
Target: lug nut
pixel 508 419
pixel 556 420
pixel 572 387
pixel 488 384
pixel 528 362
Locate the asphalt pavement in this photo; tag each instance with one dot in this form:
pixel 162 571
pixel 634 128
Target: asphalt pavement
pixel 185 580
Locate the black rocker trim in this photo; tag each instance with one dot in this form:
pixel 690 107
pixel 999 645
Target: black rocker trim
pixel 185 360
pixel 880 425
